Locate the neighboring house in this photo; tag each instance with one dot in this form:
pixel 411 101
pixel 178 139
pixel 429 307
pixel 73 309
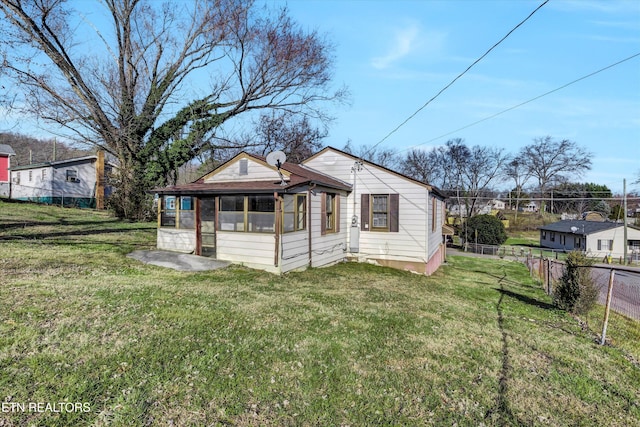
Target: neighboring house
pixel 596 238
pixel 79 182
pixel 530 207
pixel 457 210
pixel 497 204
pixel 5 164
pixel 332 207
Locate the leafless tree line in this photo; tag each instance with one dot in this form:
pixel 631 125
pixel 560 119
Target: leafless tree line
pixel 158 84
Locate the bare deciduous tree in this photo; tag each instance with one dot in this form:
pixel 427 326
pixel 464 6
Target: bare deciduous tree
pixel 154 84
pixel 516 170
pixel 551 161
pixel 422 165
pixel 480 170
pixel 297 138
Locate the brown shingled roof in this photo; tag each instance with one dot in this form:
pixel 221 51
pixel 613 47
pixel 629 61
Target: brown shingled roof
pixel 298 175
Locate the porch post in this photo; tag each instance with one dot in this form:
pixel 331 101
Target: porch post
pixel 198 250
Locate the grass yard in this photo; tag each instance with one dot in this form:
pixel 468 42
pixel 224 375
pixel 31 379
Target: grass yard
pixel 477 343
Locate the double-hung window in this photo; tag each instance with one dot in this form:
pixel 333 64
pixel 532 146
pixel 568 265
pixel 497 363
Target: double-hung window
pixel 330 213
pixel 605 245
pixel 380 212
pixel 294 212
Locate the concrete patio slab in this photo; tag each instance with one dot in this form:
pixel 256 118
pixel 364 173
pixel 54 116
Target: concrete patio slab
pixel 177 261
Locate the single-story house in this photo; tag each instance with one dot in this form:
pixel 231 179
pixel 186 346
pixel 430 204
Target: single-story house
pixel 5 164
pixel 596 238
pixel 330 208
pixel 530 207
pixel 80 182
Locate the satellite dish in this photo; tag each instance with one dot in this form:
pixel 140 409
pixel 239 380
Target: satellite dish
pixel 574 229
pixel 276 158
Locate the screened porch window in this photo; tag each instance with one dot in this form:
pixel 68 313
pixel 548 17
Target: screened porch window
pixel 254 213
pixel 177 212
pixel 168 211
pixel 261 214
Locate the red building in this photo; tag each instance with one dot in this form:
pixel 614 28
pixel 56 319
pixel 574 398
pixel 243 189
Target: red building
pixel 5 163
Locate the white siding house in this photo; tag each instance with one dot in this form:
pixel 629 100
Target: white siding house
pixel 596 238
pixel 330 208
pixel 393 220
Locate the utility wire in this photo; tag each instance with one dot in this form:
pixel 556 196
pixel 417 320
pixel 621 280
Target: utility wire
pixel 455 79
pixel 526 102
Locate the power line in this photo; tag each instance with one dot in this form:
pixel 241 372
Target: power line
pixel 457 77
pixel 526 102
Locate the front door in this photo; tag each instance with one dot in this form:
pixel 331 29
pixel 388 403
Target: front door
pixel 208 226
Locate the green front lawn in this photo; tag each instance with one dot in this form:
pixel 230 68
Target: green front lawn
pixel 477 343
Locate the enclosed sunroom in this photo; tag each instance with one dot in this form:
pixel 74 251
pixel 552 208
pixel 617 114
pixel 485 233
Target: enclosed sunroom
pixel 248 213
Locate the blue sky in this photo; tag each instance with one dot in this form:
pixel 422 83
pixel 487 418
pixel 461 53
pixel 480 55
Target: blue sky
pixel 396 55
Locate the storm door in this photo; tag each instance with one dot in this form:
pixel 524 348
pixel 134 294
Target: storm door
pixel 208 227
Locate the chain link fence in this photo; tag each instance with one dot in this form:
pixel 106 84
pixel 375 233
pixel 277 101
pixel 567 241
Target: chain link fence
pixel 621 285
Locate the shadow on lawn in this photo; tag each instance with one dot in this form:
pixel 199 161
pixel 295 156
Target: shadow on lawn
pixel 74 233
pixel 502 408
pixel 62 222
pixel 527 300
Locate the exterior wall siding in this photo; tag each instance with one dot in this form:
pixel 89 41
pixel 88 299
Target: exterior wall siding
pixel 294 253
pixel 410 243
pixel 34 188
pixel 250 249
pixel 4 169
pixel 48 184
pixel 329 248
pixel 175 240
pixel 617 235
pixel 256 171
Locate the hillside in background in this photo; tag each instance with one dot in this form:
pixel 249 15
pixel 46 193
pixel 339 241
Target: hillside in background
pixel 30 150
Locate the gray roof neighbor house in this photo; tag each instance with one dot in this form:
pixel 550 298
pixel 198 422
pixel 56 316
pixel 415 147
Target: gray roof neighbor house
pixel 596 238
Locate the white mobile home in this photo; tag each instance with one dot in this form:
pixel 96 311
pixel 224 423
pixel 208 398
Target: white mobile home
pixel 330 208
pixel 76 182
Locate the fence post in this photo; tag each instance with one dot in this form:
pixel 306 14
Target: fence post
pixel 549 275
pixel 607 307
pixel 541 269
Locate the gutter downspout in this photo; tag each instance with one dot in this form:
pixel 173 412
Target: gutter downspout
pixel 427 228
pixel 276 253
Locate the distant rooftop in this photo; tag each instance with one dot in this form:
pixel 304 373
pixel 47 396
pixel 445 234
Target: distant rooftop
pixel 582 226
pixel 6 149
